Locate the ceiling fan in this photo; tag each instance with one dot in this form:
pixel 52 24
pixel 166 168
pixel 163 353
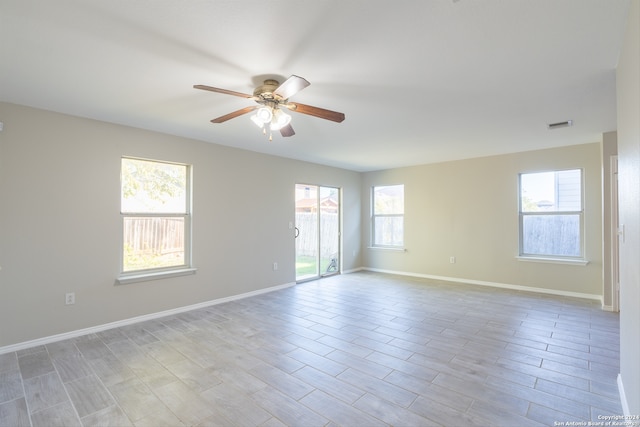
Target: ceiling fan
pixel 271 97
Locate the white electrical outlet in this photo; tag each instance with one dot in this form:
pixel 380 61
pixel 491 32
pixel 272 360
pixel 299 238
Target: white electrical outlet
pixel 275 266
pixel 452 260
pixel 70 298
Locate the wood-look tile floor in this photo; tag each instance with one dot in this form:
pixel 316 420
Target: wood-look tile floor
pixel 361 349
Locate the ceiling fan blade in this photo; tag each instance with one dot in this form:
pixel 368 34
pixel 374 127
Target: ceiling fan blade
pixel 226 91
pixel 234 114
pixel 290 87
pixel 334 116
pixel 287 131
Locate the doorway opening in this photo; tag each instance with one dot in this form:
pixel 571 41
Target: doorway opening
pixel 317 231
pixel 616 235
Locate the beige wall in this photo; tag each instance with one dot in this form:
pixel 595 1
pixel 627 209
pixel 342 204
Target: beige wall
pixel 60 222
pixel 628 91
pixel 469 209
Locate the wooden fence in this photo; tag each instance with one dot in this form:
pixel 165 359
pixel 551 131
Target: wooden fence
pixel 551 235
pixel 161 236
pixel 154 236
pixel 307 241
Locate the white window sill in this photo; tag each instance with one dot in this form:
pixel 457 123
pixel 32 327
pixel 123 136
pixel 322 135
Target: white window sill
pixel 581 262
pixel 142 277
pixel 387 248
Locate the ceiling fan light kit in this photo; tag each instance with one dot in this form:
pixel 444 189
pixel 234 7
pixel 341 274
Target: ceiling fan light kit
pixel 270 97
pixel 272 117
pixel 263 115
pixel 280 120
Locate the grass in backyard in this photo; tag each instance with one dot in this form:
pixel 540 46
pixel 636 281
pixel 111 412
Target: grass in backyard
pixel 306 266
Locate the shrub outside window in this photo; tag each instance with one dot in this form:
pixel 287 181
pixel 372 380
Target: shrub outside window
pixel 155 210
pixel 388 216
pixel 551 214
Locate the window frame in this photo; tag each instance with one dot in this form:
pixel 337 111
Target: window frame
pixel 374 216
pixel 569 259
pixel 144 274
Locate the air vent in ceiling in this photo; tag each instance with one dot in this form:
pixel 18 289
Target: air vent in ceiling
pixel 568 123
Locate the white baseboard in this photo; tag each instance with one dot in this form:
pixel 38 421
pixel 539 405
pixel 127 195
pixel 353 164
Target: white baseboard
pixel 132 320
pixel 151 316
pixel 623 397
pixel 492 284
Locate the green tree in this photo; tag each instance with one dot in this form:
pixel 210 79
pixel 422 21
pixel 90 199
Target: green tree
pixel 528 205
pixel 152 181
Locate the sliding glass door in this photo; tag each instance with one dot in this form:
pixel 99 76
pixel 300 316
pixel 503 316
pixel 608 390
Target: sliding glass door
pixel 317 231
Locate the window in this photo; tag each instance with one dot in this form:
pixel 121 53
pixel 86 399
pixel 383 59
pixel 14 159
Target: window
pixel 388 216
pixel 155 209
pixel 551 214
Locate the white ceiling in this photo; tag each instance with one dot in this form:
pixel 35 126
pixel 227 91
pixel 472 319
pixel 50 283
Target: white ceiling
pixel 419 81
